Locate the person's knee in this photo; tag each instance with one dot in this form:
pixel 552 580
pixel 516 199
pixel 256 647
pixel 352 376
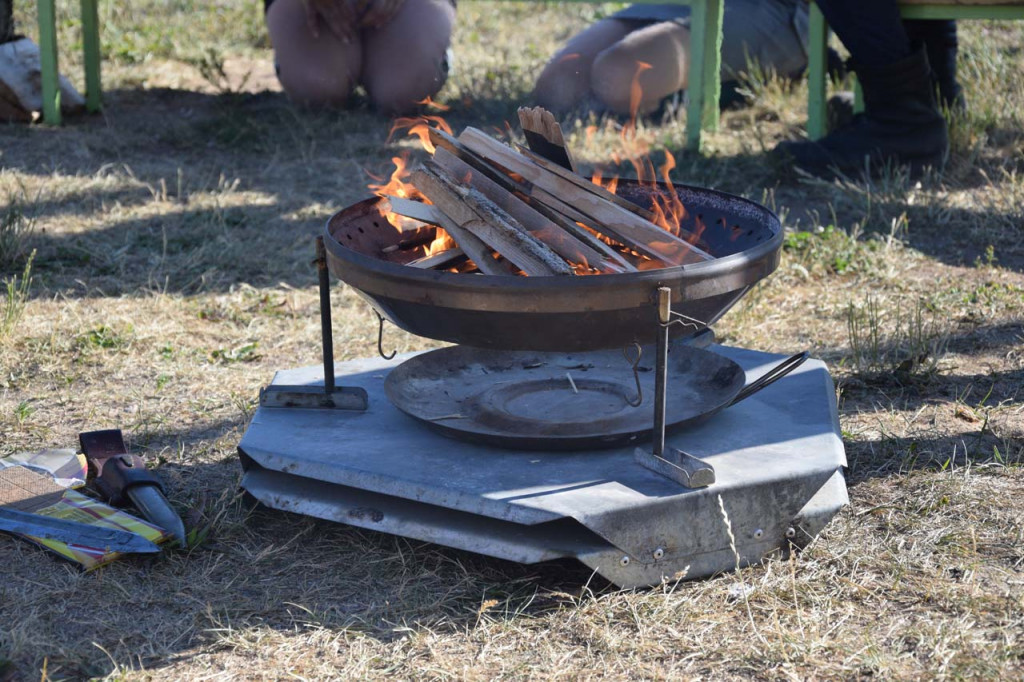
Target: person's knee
pixel 612 76
pixel 395 88
pixel 407 60
pixel 316 86
pixel 558 86
pixel 313 69
pixel 396 91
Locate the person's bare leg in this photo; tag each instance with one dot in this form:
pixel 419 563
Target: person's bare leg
pixel 565 79
pixel 313 70
pixel 664 46
pixel 404 61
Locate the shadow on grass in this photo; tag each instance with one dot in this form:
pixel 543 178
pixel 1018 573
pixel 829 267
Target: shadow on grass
pixel 970 428
pixel 188 250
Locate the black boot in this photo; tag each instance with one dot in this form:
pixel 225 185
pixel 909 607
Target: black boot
pixel 6 20
pixel 940 40
pixel 901 125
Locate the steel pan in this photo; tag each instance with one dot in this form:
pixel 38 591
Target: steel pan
pixel 558 313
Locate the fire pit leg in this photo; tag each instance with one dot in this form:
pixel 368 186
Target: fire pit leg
pixel 661 368
pixel 675 464
pixel 326 328
pixel 329 396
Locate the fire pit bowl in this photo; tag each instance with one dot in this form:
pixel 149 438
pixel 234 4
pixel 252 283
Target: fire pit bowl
pixel 558 313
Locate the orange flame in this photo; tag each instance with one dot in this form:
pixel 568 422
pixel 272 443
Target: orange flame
pixel 636 93
pixel 431 104
pixel 442 242
pixel 668 211
pixel 420 127
pixel 398 185
pixel 613 182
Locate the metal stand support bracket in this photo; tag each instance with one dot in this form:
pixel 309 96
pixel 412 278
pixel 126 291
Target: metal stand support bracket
pixel 674 464
pixel 329 396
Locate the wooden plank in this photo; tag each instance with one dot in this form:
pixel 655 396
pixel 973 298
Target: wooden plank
pixel 544 203
pixel 476 249
pixel 438 260
pixel 469 244
pixel 474 212
pixel 587 185
pixel 417 210
pixel 544 136
pixel 608 218
pixel 561 242
pixel 600 191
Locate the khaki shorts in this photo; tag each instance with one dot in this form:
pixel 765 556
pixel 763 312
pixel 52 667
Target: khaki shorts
pixel 772 33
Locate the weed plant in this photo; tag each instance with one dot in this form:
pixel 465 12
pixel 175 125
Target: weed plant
pixel 902 342
pixel 16 227
pixel 15 297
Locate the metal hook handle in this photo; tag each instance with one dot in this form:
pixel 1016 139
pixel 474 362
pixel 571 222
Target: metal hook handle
pixel 635 363
pixel 380 338
pixel 771 376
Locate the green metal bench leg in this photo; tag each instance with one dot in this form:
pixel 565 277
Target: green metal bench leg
pixel 712 64
pixel 816 76
pixel 696 88
pixel 91 47
pixel 48 61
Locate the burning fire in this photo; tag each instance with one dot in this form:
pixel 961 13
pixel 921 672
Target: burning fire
pixel 397 186
pixel 667 211
pixel 442 242
pixel 419 125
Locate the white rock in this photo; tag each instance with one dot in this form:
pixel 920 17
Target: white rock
pixel 21 80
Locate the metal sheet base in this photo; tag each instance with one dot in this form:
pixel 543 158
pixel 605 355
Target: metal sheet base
pixel 778 457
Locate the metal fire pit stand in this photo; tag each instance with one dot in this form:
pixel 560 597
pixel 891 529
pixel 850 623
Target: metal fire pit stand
pixel 777 472
pixel 329 396
pixel 674 464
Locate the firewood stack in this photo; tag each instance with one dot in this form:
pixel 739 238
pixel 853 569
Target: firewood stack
pixel 517 212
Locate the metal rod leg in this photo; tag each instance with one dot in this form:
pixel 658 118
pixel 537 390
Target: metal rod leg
pixel 661 368
pixel 325 315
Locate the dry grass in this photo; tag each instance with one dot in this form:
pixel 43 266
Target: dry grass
pixel 172 278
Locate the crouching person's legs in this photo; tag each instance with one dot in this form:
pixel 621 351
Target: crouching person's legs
pixel 655 58
pixel 565 80
pixel 406 60
pixel 317 69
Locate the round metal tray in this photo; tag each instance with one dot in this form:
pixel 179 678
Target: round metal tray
pixel 557 401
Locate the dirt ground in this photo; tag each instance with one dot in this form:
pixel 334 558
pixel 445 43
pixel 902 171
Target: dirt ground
pixel 173 236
